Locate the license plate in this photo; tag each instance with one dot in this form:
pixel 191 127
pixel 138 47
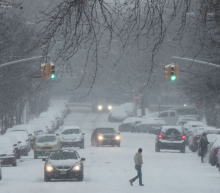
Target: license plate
pixel 63 172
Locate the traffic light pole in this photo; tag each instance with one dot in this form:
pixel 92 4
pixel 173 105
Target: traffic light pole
pixel 196 61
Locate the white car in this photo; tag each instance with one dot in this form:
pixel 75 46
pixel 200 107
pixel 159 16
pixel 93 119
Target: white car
pixel 190 126
pixel 22 139
pixel 8 151
pixel 71 136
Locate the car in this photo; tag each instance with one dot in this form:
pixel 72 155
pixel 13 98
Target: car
pixel 117 114
pixel 72 136
pixel 101 107
pixel 45 144
pixel 182 120
pixel 105 136
pixel 0 171
pixel 8 151
pixel 64 164
pixel 128 125
pixel 214 149
pixel 22 139
pixel 171 137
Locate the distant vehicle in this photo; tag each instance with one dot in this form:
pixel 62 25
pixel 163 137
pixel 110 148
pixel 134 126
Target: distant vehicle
pixel 188 111
pixel 182 120
pixel 72 136
pixel 150 125
pixel 105 136
pixel 117 114
pixel 8 151
pixel 45 144
pixel 64 165
pixel 128 125
pixel 191 126
pixel 171 137
pixel 169 116
pixel 102 107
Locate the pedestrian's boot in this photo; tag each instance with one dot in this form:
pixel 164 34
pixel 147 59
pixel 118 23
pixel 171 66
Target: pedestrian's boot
pixel 131 182
pixel 141 184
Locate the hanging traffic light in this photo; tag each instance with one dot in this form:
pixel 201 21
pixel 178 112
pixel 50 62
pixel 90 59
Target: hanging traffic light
pixel 52 71
pixel 171 72
pixel 48 71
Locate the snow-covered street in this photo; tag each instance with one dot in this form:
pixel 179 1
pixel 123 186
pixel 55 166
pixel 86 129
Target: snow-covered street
pixel 108 169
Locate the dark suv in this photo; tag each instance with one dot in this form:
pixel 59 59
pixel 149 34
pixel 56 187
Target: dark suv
pixel 171 137
pixel 105 136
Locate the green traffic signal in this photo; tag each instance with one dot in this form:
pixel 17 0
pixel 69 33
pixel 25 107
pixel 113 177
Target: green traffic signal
pixel 53 76
pixel 173 77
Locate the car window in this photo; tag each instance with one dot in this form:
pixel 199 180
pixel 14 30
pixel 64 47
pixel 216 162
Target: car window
pixel 174 132
pixel 165 114
pixel 63 156
pixel 71 131
pixel 105 130
pixel 46 139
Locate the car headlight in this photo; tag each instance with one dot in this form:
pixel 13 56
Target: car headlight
pixel 109 107
pixel 118 137
pixel 49 168
pixel 100 137
pixel 100 107
pixel 77 168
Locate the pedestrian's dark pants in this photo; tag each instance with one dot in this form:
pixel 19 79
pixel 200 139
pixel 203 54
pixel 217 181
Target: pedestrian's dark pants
pixel 203 154
pixel 139 174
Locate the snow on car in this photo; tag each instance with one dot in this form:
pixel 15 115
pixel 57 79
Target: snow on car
pixel 71 136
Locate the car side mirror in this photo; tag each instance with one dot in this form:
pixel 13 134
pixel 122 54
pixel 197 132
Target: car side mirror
pixel 83 159
pixel 44 159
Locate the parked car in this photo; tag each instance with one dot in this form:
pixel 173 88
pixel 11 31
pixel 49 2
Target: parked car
pixel 117 114
pixel 45 144
pixel 150 125
pixel 171 137
pixel 8 151
pixel 71 136
pixel 22 139
pixel 0 170
pixel 128 125
pixel 64 164
pixel 182 120
pixel 214 150
pixel 105 136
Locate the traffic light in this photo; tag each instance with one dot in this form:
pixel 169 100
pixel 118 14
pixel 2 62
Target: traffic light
pixel 52 71
pixel 48 71
pixel 171 72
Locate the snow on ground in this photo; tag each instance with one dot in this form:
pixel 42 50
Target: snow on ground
pixel 108 169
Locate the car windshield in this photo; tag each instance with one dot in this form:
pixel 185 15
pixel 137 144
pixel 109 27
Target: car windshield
pixel 172 132
pixel 46 139
pixel 71 131
pixel 105 130
pixel 63 156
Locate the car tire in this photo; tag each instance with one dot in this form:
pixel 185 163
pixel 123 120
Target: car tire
pixel 82 145
pixel 46 178
pixel 35 155
pixel 183 150
pixel 157 149
pixel 14 163
pixel 80 178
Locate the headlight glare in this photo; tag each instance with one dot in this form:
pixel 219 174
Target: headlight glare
pixel 117 137
pixel 100 107
pixel 109 107
pixel 49 168
pixel 100 137
pixel 77 167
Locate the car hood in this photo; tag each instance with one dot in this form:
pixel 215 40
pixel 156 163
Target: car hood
pixel 70 137
pixel 68 162
pixel 46 144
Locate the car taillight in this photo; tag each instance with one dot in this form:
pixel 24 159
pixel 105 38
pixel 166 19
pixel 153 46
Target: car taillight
pixel 161 136
pixel 216 150
pixel 184 137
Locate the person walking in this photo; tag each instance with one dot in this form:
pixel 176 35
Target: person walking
pixel 138 160
pixel 203 146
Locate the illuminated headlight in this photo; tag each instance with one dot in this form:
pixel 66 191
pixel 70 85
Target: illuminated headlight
pixel 49 168
pixel 77 168
pixel 109 107
pixel 117 137
pixel 100 137
pixel 100 107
